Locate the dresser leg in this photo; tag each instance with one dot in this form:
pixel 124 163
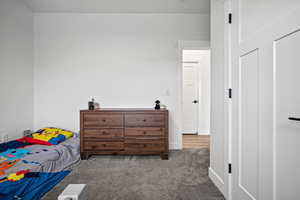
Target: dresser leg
pixel 164 156
pixel 84 156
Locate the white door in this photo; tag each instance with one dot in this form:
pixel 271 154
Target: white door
pixel 266 74
pixel 190 98
pixel 287 117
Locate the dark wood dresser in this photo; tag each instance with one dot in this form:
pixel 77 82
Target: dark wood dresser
pixel 124 132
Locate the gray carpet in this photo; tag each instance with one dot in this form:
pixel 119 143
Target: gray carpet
pixel 183 177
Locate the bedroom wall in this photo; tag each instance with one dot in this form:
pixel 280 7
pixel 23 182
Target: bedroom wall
pixel 122 60
pixel 16 68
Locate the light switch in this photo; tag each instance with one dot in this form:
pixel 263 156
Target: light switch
pixel 167 93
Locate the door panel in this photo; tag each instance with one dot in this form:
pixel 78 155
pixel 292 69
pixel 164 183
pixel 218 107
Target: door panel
pixel 287 105
pixel 190 94
pixel 257 14
pixel 248 125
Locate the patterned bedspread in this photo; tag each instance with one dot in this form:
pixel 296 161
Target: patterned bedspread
pixel 29 171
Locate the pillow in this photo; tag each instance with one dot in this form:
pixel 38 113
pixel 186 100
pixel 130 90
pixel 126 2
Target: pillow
pixel 52 135
pixel 33 141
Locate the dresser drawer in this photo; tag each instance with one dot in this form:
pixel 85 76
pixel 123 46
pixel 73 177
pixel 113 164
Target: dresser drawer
pixel 144 120
pixel 141 132
pixel 94 120
pixel 113 134
pixel 90 146
pixel 144 145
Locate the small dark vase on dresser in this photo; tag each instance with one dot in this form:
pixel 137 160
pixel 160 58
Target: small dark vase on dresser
pixel 124 132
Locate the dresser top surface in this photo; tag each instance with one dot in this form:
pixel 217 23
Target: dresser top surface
pixel 125 110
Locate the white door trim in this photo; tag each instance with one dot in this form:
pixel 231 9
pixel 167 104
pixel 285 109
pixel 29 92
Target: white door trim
pixel 220 174
pixel 185 45
pixel 228 105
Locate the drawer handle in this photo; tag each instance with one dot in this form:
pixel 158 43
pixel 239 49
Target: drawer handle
pixel 103 120
pixel 145 132
pixel 104 145
pixel 105 133
pixel 147 138
pixel 144 120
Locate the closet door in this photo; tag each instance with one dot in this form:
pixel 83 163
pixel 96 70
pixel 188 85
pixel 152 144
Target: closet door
pixel 266 100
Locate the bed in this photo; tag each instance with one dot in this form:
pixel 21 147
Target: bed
pixel 28 171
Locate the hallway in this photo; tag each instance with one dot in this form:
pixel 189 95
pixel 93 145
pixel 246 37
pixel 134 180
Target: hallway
pixel 195 141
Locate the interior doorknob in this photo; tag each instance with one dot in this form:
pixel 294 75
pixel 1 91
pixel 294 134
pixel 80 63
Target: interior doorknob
pixel 195 101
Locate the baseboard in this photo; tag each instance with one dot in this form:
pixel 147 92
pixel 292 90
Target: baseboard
pixel 203 132
pixel 174 146
pixel 9 137
pixel 216 179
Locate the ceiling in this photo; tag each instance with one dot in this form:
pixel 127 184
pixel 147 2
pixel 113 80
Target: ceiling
pixel 120 6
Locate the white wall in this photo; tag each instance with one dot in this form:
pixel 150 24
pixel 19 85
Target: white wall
pixel 123 60
pixel 16 68
pixel 203 57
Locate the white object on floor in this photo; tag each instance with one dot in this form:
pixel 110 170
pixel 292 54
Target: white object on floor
pixel 74 192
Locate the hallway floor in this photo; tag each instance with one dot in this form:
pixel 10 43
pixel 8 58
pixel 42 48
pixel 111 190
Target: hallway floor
pixel 195 141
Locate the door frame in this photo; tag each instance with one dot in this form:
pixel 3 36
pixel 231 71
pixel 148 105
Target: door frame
pixel 185 45
pixel 224 185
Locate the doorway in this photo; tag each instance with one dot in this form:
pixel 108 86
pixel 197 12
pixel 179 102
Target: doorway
pixel 195 98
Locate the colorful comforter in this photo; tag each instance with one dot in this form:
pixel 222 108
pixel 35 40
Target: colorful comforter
pixel 29 171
